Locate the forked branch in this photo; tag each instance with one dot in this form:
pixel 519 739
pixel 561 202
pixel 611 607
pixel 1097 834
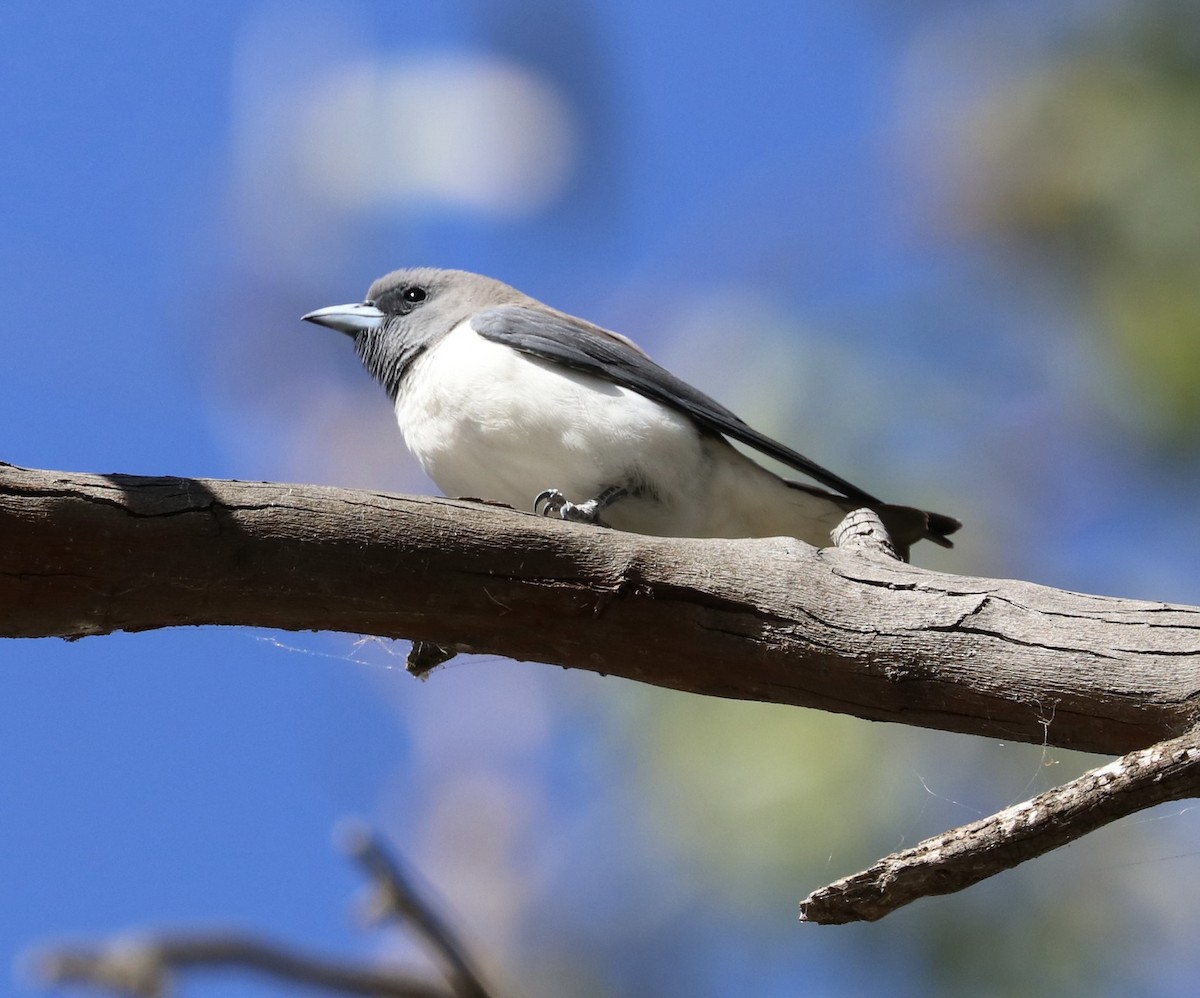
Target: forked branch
pixel 773 620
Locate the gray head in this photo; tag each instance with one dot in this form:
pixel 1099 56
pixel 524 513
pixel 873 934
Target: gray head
pixel 406 311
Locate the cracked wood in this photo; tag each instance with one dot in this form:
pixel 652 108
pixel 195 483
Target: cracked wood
pixel 773 620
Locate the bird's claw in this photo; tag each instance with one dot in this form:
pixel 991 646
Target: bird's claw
pixel 551 502
pixel 548 502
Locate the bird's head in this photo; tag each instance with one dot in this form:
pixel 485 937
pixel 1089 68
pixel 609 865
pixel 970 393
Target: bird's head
pixel 406 312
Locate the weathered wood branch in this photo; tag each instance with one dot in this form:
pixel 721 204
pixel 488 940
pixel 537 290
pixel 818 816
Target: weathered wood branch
pixel 852 631
pixel 973 852
pixel 773 620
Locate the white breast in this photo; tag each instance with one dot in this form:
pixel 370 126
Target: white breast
pixel 488 422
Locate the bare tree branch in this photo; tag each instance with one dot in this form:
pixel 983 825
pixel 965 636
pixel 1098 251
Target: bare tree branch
pixel 396 898
pixel 773 620
pixel 144 966
pixel 966 855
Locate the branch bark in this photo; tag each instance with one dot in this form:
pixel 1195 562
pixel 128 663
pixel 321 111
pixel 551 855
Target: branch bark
pixel 970 853
pixel 773 620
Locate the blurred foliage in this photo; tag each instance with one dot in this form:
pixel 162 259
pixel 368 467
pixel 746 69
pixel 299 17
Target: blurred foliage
pixel 1092 159
pixel 770 802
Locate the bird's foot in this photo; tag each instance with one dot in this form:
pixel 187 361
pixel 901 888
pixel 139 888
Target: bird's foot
pixel 551 502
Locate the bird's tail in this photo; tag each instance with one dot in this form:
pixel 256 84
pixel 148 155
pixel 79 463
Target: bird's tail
pixel 940 526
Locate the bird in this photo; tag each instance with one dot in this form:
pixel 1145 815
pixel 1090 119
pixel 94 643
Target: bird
pixel 500 397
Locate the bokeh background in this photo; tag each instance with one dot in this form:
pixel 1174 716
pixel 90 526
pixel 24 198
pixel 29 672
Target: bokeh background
pixel 949 249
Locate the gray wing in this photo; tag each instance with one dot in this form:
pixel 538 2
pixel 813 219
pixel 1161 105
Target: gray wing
pixel 563 339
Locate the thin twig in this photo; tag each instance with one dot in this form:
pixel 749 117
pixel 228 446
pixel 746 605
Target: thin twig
pixel 397 898
pixel 965 855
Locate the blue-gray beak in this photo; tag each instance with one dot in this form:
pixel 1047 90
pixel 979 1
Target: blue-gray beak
pixel 349 319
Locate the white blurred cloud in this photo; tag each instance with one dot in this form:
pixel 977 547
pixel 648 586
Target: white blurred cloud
pixel 323 114
pixel 462 131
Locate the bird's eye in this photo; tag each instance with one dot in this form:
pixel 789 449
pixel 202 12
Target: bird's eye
pixel 414 295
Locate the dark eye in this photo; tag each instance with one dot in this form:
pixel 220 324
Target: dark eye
pixel 414 295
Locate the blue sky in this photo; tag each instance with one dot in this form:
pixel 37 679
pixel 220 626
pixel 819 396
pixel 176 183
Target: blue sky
pixel 741 188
